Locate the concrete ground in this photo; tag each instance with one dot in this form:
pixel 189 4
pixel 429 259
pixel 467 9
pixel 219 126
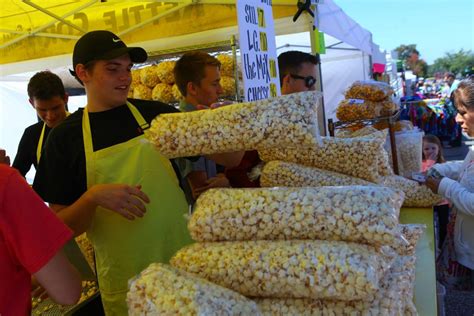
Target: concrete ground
pixel 458 303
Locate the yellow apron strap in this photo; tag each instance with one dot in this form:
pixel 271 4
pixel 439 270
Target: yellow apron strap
pixel 40 145
pixel 138 117
pixel 39 148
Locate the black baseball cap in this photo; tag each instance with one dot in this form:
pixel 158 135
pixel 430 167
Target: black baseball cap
pixel 104 45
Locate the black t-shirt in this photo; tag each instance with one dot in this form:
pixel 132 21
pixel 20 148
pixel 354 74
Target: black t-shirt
pixel 26 153
pixel 61 175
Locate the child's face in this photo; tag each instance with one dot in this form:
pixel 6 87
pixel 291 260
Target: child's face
pixel 430 150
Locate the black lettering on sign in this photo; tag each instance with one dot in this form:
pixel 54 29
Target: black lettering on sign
pixel 269 2
pixel 273 70
pixel 249 68
pixel 261 17
pixel 262 67
pixel 273 90
pixel 263 41
pixel 257 93
pixel 250 15
pixel 252 40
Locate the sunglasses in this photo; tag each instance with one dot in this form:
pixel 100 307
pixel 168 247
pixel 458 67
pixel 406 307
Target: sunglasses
pixel 309 81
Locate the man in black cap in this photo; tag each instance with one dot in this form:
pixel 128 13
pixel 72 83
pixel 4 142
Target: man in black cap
pixel 101 176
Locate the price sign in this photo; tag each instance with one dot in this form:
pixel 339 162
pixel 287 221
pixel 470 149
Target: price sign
pixel 258 49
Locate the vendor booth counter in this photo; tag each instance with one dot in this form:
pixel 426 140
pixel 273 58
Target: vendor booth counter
pixel 425 286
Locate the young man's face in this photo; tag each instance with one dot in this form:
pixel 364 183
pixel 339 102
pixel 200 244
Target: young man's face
pixel 108 81
pixel 209 89
pixel 51 111
pixel 293 84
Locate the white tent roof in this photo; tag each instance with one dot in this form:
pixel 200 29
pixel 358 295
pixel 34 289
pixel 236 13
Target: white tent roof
pixel 335 22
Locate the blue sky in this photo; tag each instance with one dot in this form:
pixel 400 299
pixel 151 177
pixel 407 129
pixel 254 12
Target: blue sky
pixel 436 26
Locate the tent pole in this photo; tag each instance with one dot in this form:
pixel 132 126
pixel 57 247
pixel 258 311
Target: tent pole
pixel 36 31
pixel 57 17
pixel 319 82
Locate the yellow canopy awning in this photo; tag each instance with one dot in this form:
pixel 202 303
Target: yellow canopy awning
pixel 45 28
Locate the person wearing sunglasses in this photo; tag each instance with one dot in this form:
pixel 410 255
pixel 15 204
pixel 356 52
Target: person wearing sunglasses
pixel 298 71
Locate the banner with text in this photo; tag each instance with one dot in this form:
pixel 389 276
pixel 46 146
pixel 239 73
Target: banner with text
pixel 258 49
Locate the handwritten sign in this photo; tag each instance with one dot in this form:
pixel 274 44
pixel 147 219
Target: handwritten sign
pixel 258 49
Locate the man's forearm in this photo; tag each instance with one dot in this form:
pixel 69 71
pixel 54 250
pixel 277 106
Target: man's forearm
pixel 78 216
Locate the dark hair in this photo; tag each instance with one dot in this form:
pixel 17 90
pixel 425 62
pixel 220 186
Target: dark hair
pixel 45 85
pixel 450 75
pixel 464 94
pixel 291 61
pixel 191 68
pixel 434 140
pixel 415 51
pixel 88 66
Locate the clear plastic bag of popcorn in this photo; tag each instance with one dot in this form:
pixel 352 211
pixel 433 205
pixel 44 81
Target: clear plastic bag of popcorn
pixel 149 76
pixel 369 90
pixel 412 234
pixel 280 174
pixel 358 157
pixel 288 269
pixel 164 70
pixel 163 290
pixel 416 195
pixel 142 92
pixel 163 92
pixel 409 151
pixel 387 301
pixel 135 78
pixel 384 166
pixel 176 93
pixel 364 214
pixel 228 86
pixel 404 270
pixel 364 131
pixel 289 120
pixel 354 109
pixel 227 65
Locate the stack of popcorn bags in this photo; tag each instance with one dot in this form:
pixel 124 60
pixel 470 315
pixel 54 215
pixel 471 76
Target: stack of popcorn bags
pixel 314 241
pixel 366 100
pixel 156 82
pixel 370 99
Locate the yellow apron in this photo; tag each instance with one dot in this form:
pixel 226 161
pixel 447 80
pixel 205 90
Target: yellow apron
pixel 40 142
pixel 124 248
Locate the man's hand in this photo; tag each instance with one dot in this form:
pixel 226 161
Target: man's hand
pixel 220 181
pixel 128 201
pixel 433 183
pixel 4 158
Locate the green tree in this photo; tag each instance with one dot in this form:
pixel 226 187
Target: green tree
pixel 459 63
pixel 405 50
pixel 410 57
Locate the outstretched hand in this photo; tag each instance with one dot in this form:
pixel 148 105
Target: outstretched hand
pixel 128 201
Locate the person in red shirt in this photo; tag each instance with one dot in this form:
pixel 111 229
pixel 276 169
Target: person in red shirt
pixel 31 237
